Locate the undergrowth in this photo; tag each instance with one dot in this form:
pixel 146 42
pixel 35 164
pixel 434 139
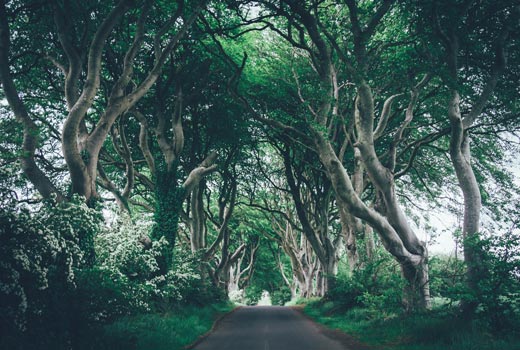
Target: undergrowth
pixel 437 329
pixel 171 330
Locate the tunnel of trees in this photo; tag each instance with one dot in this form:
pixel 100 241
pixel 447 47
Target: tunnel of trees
pixel 164 153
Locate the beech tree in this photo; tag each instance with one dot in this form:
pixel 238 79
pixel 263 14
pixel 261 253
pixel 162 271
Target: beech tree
pixel 457 32
pixel 312 195
pixel 267 134
pixel 302 258
pixel 300 25
pixel 80 59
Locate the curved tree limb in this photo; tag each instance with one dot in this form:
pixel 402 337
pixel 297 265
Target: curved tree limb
pixel 81 179
pixel 30 130
pixel 206 167
pixel 383 119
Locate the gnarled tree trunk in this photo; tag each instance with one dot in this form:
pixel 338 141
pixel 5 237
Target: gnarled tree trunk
pixel 460 150
pixel 414 262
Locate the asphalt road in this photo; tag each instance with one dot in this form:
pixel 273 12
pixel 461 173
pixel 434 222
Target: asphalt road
pixel 267 328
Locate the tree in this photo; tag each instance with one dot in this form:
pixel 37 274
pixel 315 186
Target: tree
pixel 300 25
pixel 81 147
pixel 277 200
pixel 312 195
pixel 457 33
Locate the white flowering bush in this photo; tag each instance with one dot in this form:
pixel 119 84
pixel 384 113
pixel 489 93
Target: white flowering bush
pixel 123 269
pixel 62 271
pixel 182 282
pixel 121 255
pixel 119 248
pixel 77 225
pixel 26 252
pixel 41 250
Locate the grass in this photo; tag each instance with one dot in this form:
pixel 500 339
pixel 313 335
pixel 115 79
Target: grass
pixel 438 329
pixel 172 330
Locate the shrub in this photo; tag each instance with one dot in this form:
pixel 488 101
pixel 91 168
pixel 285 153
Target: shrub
pixel 281 296
pixel 497 293
pixel 253 294
pixel 103 295
pixel 377 286
pixel 346 292
pixel 181 284
pixel 118 249
pixel 41 250
pixel 446 278
pixel 120 254
pixel 498 289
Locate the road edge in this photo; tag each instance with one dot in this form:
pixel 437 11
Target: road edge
pixel 212 329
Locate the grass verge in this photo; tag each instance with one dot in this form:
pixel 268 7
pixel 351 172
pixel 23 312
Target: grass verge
pixel 433 330
pixel 172 330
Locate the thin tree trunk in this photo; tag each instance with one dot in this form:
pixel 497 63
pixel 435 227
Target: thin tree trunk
pixel 461 160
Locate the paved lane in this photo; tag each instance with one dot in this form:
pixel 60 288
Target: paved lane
pixel 267 328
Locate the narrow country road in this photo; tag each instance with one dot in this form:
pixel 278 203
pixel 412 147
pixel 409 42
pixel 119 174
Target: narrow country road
pixel 267 328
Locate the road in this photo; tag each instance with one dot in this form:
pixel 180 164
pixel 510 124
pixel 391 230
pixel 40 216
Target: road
pixel 267 328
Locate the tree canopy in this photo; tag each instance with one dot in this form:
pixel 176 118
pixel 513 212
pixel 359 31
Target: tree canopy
pixel 231 147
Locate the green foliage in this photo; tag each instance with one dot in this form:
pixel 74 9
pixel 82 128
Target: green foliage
pixel 168 196
pixel 447 278
pixel 170 330
pixel 360 305
pixel 52 288
pixel 104 295
pixel 253 294
pixel 76 223
pixel 496 292
pixel 281 296
pixel 124 269
pixel 267 274
pixel 432 330
pixel 142 284
pixel 118 248
pixel 42 250
pixel 61 272
pixel 498 288
pixel 183 283
pixel 376 286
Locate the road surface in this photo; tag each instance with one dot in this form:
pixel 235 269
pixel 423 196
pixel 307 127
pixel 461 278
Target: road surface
pixel 267 328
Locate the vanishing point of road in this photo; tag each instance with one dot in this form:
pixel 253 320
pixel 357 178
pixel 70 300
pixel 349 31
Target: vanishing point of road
pixel 267 328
